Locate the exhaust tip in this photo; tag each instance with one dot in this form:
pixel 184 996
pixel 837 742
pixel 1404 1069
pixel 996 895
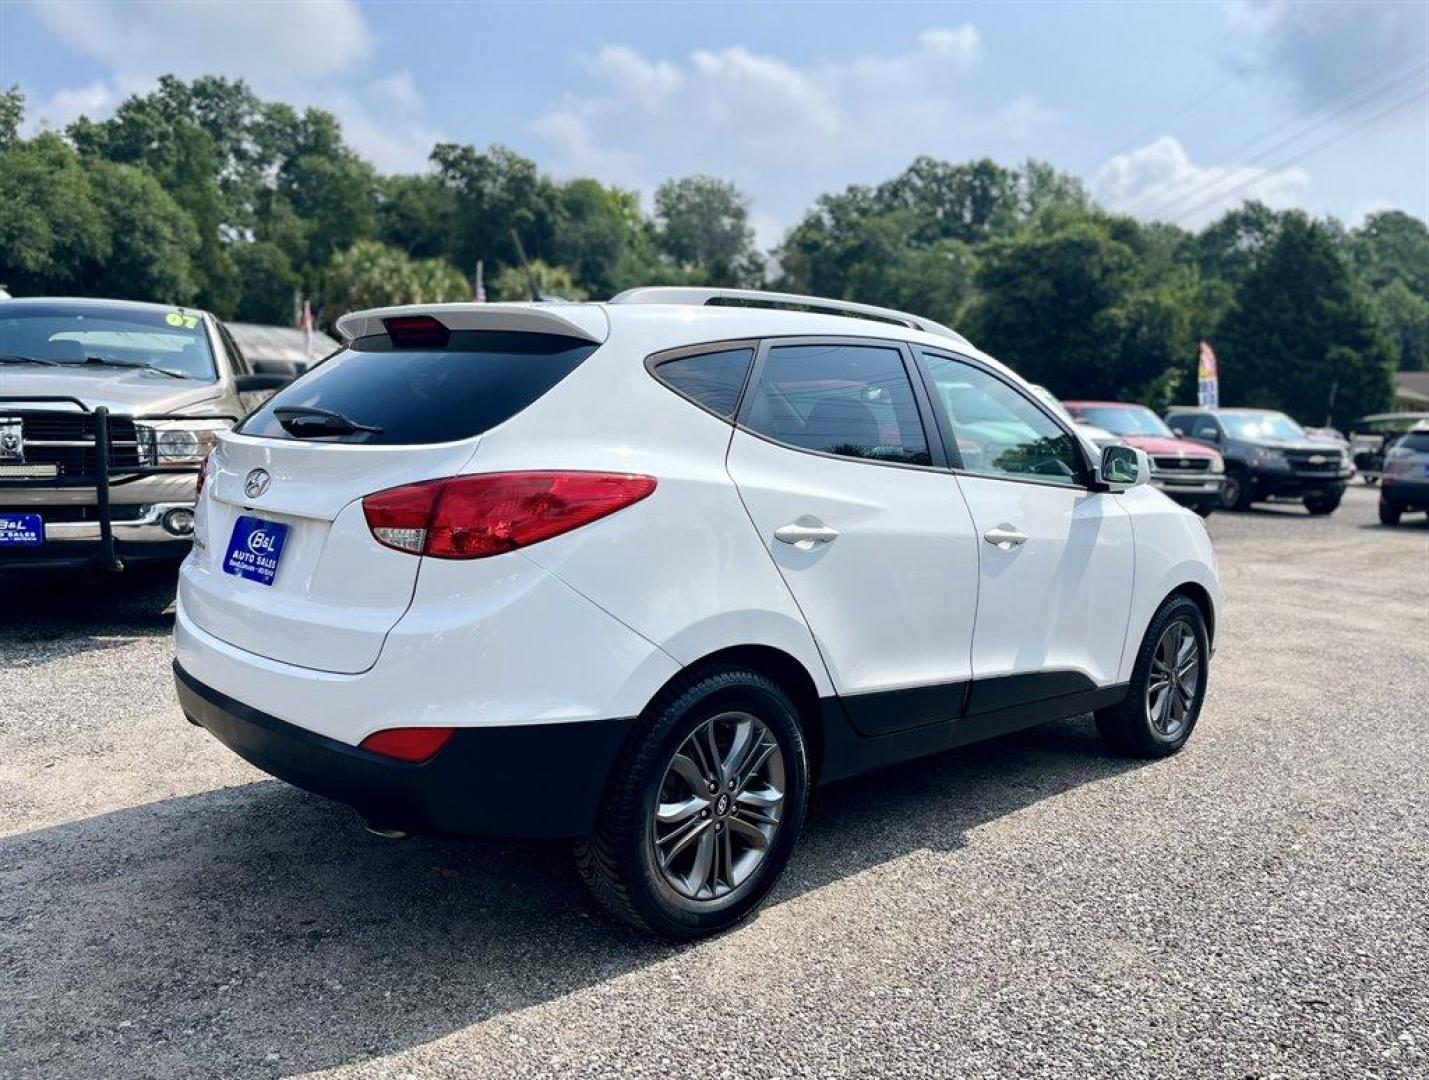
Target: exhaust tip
pixel 385 832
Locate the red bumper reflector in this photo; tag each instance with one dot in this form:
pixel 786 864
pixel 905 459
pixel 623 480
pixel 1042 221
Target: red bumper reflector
pixel 411 744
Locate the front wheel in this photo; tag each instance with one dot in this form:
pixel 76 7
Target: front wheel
pixel 1236 492
pixel 1388 513
pixel 1322 504
pixel 703 808
pixel 1168 685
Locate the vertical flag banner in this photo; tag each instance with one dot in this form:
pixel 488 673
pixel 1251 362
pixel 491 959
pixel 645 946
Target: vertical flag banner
pixel 479 293
pixel 1208 383
pixel 307 333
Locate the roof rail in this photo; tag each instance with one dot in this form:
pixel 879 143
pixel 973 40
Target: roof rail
pixel 679 294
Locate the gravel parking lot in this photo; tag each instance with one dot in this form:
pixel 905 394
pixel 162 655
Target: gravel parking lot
pixel 1254 907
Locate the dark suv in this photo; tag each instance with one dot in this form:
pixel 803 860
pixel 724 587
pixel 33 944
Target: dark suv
pixel 1268 456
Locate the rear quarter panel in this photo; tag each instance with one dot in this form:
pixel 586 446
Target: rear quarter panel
pixel 685 567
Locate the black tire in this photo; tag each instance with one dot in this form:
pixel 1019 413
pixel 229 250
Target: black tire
pixel 1319 505
pixel 619 862
pixel 1205 509
pixel 1127 726
pixel 1388 513
pixel 1237 490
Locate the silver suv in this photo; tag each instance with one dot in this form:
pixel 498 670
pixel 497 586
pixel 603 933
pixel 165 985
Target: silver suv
pixel 1404 484
pixel 107 410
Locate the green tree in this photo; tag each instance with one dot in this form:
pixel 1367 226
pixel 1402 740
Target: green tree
pixel 1389 246
pixel 12 113
pixel 1229 248
pixel 370 274
pixel 495 192
pixel 703 223
pixel 1302 330
pixel 1404 318
pixel 51 228
pixel 153 240
pixel 553 281
pixel 602 235
pixel 269 283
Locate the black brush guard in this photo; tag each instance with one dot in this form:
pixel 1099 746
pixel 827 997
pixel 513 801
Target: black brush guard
pixel 103 477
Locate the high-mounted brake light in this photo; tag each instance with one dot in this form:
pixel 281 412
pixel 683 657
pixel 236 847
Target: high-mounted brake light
pixel 416 331
pixel 473 517
pixel 411 744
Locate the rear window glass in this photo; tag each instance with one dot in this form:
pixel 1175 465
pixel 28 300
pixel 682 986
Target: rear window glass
pixel 713 379
pixel 421 395
pixel 1417 441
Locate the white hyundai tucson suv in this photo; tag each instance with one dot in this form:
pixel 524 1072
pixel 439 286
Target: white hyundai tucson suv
pixel 640 574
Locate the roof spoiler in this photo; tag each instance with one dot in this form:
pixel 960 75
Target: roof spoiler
pixel 585 321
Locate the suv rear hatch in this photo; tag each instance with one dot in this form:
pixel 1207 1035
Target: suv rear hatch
pixel 285 565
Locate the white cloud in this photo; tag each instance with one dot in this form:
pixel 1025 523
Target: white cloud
pixel 782 130
pixel 303 53
pixel 1161 182
pixel 302 41
pixel 69 104
pixel 1324 53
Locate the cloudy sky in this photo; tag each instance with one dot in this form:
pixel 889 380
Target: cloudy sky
pixel 1167 110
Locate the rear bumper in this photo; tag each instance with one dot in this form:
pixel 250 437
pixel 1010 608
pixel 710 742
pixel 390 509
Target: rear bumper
pixel 1404 493
pixel 537 781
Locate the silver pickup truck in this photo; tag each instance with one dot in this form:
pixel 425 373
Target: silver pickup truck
pixel 107 411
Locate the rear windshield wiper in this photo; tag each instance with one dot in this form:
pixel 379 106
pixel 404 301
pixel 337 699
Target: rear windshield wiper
pixel 308 421
pixel 107 362
pixel 29 360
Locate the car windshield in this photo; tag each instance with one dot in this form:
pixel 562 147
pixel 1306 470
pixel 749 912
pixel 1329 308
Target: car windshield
pixel 174 342
pixel 1262 425
pixel 1125 419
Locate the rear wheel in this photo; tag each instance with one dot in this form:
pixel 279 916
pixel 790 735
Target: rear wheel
pixel 703 808
pixel 1168 685
pixel 1235 492
pixel 1388 513
pixel 1322 504
pixel 1205 509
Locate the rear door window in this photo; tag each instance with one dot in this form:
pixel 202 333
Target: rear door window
pixel 428 395
pixel 850 400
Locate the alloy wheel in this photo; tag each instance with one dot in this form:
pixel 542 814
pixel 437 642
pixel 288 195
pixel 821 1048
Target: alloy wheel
pixel 1174 680
pixel 719 807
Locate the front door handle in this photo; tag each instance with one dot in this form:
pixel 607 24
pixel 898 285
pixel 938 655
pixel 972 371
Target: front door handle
pixel 805 537
pixel 1005 537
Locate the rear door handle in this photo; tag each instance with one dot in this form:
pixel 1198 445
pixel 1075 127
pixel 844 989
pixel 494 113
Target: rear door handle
pixel 805 537
pixel 1005 537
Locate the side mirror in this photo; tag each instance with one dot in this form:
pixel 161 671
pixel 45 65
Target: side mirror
pixel 1123 467
pixel 252 384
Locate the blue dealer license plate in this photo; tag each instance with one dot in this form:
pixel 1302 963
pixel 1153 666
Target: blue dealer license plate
pixel 255 548
pixel 21 530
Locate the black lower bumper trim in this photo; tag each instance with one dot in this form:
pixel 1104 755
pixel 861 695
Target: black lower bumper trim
pixel 532 781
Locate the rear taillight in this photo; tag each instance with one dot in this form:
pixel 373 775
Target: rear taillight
pixel 472 517
pixel 410 744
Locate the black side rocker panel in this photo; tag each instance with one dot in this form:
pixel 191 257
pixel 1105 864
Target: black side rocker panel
pixel 848 753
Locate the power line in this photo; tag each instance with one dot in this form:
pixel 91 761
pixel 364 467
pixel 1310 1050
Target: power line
pixel 1165 204
pixel 1410 99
